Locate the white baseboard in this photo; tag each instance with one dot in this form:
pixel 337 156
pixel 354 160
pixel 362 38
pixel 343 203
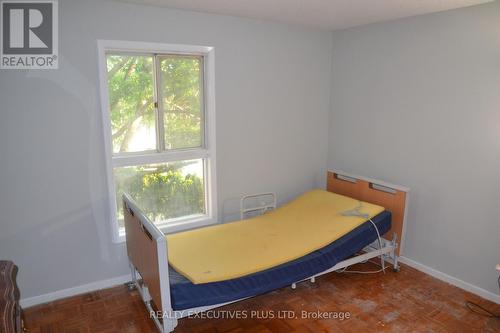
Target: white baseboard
pixel 63 293
pixel 31 301
pixel 452 280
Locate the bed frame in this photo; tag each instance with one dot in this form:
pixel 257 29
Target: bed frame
pixel 148 257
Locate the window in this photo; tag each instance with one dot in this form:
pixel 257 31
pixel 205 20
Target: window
pixel 158 113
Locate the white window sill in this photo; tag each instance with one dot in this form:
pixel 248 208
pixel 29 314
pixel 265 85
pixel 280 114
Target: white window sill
pixel 174 225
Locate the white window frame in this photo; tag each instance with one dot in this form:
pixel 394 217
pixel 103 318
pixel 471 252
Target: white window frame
pixel 210 181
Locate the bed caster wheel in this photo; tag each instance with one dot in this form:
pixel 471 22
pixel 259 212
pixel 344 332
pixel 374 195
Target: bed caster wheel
pixel 130 286
pixel 294 286
pixel 313 279
pixel 396 269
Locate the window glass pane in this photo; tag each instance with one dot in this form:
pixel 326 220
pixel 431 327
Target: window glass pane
pixel 163 191
pixel 131 102
pixel 182 95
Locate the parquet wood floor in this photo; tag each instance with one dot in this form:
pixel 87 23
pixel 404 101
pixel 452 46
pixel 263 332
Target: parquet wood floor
pixel 408 301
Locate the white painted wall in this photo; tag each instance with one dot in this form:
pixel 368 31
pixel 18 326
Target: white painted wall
pixel 272 96
pixel 417 102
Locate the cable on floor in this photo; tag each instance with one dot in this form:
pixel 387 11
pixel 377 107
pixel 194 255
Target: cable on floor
pixel 476 308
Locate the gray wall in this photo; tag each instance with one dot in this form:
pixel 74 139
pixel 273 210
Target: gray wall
pixel 272 96
pixel 417 102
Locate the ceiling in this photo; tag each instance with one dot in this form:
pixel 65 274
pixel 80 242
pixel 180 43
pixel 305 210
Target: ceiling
pixel 324 14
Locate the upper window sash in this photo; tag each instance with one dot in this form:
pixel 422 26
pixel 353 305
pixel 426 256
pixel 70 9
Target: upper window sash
pixel 171 94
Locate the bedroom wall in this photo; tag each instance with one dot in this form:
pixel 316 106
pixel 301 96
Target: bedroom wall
pixel 417 102
pixel 272 106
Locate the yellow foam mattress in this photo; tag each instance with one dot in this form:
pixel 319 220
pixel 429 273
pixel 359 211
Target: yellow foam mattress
pixel 232 250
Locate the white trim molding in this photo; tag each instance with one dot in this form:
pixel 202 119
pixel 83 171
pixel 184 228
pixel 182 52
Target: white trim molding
pixel 108 283
pixel 207 152
pixel 82 289
pixel 451 280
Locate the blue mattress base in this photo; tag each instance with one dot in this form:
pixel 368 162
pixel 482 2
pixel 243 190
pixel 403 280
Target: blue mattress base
pixel 187 295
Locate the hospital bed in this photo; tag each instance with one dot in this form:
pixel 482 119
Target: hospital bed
pixel 175 282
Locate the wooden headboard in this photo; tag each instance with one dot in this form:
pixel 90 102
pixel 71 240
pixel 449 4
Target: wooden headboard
pixel 393 198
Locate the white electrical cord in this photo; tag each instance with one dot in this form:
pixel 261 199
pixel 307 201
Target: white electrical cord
pixel 357 212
